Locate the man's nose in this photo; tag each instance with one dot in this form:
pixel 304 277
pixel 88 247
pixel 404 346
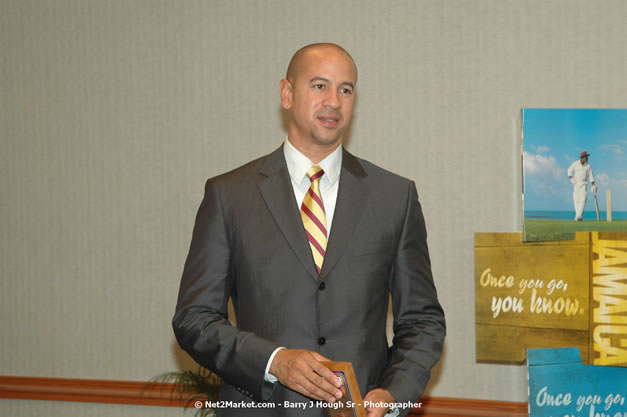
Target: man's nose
pixel 332 99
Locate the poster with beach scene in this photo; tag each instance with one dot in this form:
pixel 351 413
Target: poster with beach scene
pixel 574 172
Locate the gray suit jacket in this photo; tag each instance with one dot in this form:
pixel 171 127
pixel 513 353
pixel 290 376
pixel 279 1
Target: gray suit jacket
pixel 249 243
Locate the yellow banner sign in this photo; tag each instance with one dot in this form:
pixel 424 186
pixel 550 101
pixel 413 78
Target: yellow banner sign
pixel 609 295
pixel 551 294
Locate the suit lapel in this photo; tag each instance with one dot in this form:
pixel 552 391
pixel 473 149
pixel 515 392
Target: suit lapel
pixel 351 200
pixel 277 191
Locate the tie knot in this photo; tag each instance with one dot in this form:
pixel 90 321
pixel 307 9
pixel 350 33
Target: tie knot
pixel 315 173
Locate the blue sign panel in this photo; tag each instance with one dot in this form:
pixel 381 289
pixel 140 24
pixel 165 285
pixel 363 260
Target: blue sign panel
pixel 561 386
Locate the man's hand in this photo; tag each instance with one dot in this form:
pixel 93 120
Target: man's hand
pixel 302 371
pixel 378 395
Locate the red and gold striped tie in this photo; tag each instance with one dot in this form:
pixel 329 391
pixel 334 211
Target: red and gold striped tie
pixel 314 218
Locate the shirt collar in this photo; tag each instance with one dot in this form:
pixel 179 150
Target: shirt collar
pixel 298 164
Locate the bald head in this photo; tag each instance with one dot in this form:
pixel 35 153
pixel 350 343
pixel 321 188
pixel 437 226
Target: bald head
pixel 314 52
pixel 318 94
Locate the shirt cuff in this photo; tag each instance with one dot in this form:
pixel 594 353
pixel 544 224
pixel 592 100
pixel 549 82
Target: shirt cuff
pixel 268 376
pixel 392 413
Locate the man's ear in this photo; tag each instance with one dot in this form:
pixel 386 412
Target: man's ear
pixel 285 89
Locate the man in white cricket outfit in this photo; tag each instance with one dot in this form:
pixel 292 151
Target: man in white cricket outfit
pixel 579 173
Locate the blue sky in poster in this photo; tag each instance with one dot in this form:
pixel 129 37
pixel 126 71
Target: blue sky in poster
pixel 554 138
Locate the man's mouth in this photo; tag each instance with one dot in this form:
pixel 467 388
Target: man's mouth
pixel 329 121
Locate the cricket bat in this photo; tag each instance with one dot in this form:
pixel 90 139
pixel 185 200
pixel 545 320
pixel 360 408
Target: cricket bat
pixel 596 203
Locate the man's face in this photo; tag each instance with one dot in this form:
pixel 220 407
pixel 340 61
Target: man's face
pixel 584 159
pixel 320 98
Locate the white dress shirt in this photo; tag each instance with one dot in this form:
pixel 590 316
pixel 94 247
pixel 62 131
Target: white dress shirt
pixel 298 165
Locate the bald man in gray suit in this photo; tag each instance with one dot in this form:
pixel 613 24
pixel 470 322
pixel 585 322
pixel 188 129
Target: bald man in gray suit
pixel 302 297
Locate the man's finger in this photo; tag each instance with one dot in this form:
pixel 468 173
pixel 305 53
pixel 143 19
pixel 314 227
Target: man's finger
pixel 318 385
pixel 322 371
pixel 304 382
pixel 327 374
pixel 311 390
pixel 378 396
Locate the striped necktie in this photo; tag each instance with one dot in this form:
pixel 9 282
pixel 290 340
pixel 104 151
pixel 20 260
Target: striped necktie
pixel 314 219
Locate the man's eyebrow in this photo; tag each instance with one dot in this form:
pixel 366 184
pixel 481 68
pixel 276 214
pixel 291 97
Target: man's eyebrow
pixel 348 83
pixel 318 79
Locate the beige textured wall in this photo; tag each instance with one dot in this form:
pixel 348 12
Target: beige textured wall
pixel 113 113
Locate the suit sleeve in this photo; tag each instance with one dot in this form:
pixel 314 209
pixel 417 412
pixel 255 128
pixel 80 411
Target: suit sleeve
pixel 200 322
pixel 419 326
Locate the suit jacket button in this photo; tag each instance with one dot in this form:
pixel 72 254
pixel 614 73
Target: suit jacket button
pixel 322 286
pixel 322 341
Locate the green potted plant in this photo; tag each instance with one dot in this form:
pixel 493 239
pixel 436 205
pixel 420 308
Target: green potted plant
pixel 193 387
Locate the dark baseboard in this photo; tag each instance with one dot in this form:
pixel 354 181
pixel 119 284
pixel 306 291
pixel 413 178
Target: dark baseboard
pixel 158 394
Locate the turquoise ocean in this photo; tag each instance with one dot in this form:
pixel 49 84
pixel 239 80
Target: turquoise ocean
pixel 570 215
